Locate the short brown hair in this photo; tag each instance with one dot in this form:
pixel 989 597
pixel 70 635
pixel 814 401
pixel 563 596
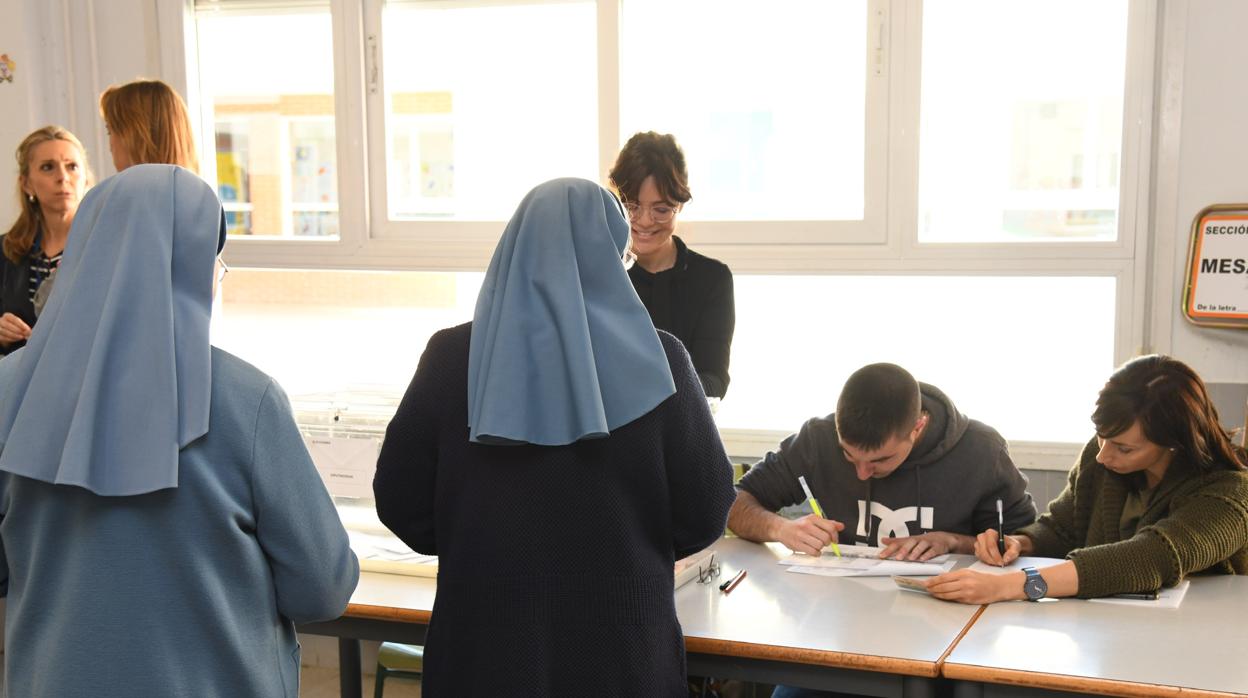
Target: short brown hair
pixel 152 122
pixel 650 154
pixel 1174 410
pixel 21 237
pixel 878 402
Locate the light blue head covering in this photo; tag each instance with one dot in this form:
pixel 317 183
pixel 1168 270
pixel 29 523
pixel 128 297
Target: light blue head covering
pixel 562 348
pixel 116 377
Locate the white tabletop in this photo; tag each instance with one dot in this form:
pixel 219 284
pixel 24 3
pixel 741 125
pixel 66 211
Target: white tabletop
pixel 861 622
pixel 1076 645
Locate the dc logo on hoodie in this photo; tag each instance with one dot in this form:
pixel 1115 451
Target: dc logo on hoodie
pixel 893 524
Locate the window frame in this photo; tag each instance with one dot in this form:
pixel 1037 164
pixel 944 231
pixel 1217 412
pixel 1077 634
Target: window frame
pixel 886 242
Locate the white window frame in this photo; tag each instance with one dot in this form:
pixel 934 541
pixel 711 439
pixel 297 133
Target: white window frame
pixel 885 242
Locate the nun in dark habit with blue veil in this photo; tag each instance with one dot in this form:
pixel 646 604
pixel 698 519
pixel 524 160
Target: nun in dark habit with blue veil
pixel 558 455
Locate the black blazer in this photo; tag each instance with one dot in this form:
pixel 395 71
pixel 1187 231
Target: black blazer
pixel 15 293
pixel 694 301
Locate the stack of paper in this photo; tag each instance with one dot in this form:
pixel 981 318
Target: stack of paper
pixel 829 565
pixel 381 553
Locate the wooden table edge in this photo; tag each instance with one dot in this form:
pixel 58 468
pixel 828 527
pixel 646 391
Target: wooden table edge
pixel 1077 684
pixel 840 660
pixel 404 615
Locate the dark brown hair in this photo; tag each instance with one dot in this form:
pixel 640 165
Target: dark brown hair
pixel 878 402
pixel 152 123
pixel 1173 408
pixel 651 154
pixel 21 237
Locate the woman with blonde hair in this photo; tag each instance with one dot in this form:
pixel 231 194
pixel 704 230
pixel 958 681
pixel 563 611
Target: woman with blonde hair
pixel 147 122
pixel 52 177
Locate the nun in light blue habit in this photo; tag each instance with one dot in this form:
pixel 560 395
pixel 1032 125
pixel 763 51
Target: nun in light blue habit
pixel 558 455
pixel 163 527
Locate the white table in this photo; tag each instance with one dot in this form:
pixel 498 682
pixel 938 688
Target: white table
pixel 859 635
pixel 1031 649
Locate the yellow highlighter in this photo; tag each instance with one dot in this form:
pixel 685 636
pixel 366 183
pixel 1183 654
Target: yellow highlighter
pixel 814 504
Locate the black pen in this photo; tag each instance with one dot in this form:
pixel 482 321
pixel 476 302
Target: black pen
pixel 1141 596
pixel 731 584
pixel 1000 530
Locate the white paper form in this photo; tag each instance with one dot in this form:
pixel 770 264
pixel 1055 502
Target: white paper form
pixel 832 566
pixel 869 551
pixel 1017 565
pixel 1169 597
pixel 346 465
pixel 383 553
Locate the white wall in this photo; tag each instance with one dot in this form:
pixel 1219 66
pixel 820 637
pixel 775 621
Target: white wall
pixel 15 103
pixel 67 52
pixel 1202 151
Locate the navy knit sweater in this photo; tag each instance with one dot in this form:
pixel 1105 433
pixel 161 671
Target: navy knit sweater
pixel 555 563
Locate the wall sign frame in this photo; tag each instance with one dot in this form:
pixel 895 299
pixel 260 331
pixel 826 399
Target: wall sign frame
pixel 1216 291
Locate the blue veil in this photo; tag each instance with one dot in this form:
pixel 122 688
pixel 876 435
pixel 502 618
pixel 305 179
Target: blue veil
pixel 116 377
pixel 562 348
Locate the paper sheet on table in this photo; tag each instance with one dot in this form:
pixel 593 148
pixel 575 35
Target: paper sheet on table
pixel 871 552
pixel 388 554
pixel 1166 598
pixel 1016 566
pixel 832 566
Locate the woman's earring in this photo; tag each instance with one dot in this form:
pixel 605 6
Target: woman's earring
pixel 30 198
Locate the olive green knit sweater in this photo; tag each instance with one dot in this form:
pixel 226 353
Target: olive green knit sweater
pixel 1194 522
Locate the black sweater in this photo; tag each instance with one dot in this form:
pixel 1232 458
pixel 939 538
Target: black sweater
pixel 555 563
pixel 693 300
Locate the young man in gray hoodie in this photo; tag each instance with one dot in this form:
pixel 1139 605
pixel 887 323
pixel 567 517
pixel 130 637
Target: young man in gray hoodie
pixel 929 477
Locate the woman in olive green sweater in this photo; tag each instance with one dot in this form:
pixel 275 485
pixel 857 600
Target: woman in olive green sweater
pixel 1159 494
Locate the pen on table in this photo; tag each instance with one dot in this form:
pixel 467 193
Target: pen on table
pixel 1000 530
pixel 731 584
pixel 1141 596
pixel 814 505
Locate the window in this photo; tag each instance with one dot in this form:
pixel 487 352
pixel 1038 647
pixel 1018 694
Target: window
pixel 267 89
pixel 879 174
pixel 483 101
pixel 768 102
pixel 991 343
pixel 1021 127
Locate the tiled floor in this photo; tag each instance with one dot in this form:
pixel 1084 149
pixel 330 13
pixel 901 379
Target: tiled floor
pixel 320 682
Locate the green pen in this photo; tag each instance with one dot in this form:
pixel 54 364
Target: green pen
pixel 814 504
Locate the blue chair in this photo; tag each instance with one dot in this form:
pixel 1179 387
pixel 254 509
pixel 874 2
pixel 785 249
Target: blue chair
pixel 395 659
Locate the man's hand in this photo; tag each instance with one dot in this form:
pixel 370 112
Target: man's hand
pixel 922 547
pixel 969 586
pixel 808 534
pixel 13 329
pixel 986 548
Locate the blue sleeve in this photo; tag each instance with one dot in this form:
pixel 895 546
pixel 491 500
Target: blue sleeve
pixel 699 474
pixel 407 467
pixel 4 556
pixel 314 570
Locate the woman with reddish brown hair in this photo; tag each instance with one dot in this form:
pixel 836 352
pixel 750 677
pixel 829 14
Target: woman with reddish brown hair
pixel 52 177
pixel 686 293
pixel 1159 494
pixel 147 122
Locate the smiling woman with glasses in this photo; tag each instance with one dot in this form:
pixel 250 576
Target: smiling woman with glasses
pixel 687 294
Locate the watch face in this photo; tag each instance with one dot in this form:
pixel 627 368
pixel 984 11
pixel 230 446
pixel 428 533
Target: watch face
pixel 1034 587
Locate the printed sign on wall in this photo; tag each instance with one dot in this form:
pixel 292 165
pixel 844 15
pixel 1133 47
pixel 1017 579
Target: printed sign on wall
pixel 1216 292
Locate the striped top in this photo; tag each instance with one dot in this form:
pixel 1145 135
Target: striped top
pixel 40 267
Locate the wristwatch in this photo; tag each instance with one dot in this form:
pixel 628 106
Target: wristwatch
pixel 1034 586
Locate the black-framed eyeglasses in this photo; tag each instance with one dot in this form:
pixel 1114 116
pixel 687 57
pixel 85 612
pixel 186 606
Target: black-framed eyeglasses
pixel 708 571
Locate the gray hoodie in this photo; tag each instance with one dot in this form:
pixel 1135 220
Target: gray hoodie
pixel 951 480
